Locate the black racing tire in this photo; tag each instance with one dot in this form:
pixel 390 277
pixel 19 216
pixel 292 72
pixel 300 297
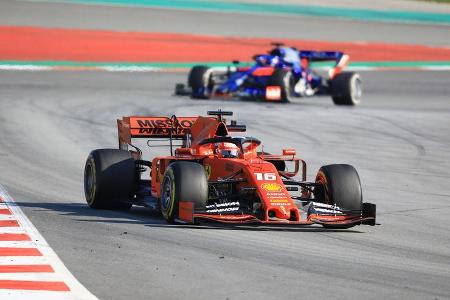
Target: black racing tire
pixel 341 186
pixel 199 78
pixel 346 89
pixel 109 179
pixel 183 181
pixel 285 80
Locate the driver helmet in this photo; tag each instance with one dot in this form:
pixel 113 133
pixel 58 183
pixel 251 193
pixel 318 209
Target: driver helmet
pixel 227 150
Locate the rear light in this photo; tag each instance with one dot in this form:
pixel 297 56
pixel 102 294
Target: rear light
pixel 273 93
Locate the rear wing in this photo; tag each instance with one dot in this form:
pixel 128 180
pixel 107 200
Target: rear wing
pixel 340 58
pixel 153 127
pixel 172 128
pixel 321 55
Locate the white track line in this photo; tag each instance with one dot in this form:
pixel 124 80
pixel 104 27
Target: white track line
pixel 108 68
pixel 77 291
pixel 25 68
pixel 129 69
pixel 436 68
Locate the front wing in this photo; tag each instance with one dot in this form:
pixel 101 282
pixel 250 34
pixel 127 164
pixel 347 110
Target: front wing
pixel 337 220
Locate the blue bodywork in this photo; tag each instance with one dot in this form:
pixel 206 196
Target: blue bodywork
pixel 244 82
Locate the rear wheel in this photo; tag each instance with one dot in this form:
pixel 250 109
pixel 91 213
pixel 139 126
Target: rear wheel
pixel 199 80
pixel 284 79
pixel 183 181
pixel 109 179
pixel 346 88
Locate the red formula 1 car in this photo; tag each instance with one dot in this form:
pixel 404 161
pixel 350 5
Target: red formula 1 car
pixel 218 177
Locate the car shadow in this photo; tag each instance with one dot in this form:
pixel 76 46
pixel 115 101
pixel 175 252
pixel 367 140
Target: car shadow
pixel 146 217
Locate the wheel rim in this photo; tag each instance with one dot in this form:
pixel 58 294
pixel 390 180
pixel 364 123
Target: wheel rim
pixel 357 90
pixel 289 85
pixel 207 84
pixel 167 194
pixel 89 183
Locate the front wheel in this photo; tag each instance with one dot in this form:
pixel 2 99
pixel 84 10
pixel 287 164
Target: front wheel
pixel 346 88
pixel 183 181
pixel 340 186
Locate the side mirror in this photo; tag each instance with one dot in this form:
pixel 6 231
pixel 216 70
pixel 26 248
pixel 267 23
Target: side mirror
pixel 289 152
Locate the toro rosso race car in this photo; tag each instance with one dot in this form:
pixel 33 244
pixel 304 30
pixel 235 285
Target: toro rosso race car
pixel 279 76
pixel 213 176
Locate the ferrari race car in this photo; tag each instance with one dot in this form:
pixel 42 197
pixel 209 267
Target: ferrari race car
pixel 213 176
pixel 279 76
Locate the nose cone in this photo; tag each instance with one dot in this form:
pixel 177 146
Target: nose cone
pixel 279 212
pixel 282 213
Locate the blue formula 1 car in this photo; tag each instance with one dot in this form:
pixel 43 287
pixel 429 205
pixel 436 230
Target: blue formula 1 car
pixel 279 76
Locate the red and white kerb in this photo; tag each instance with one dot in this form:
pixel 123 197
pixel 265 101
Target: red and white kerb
pixel 29 268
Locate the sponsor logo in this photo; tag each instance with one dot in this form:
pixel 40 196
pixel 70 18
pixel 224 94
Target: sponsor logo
pixel 208 171
pixel 279 204
pixel 279 200
pixel 220 210
pixel 161 126
pixel 222 207
pixel 271 187
pixel 226 204
pixel 164 123
pixel 276 195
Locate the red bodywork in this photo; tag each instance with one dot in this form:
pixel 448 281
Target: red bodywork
pixel 255 169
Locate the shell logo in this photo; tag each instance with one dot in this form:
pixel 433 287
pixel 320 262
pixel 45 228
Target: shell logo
pixel 272 187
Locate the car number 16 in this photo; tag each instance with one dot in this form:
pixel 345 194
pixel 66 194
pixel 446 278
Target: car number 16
pixel 266 176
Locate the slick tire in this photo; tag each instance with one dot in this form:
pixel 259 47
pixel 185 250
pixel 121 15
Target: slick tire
pixel 346 89
pixel 284 79
pixel 199 82
pixel 340 185
pixel 183 181
pixel 109 179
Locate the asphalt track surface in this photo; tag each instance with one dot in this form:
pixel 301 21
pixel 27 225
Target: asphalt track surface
pixel 398 139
